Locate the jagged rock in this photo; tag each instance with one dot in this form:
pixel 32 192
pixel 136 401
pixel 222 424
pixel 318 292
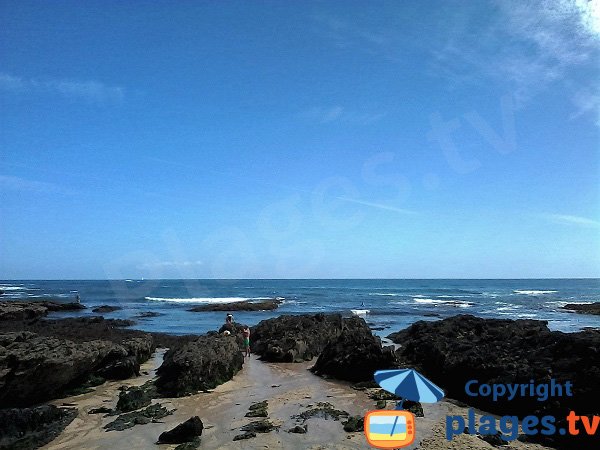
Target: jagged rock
pixel 147 315
pixel 192 445
pixel 323 410
pixel 36 368
pixel 246 435
pixel 141 417
pixel 133 398
pixel 28 428
pixel 184 432
pixel 106 309
pixel 584 308
pixel 264 305
pixel 260 426
pixel 28 310
pixel 453 351
pixel 355 355
pixel 299 429
pixel 100 410
pixel 354 424
pixel 294 338
pixel 258 409
pixel 199 366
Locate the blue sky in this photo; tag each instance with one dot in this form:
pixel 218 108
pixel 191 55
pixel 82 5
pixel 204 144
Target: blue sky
pixel 299 139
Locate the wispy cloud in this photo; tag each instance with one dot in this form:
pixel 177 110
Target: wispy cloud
pixel 525 46
pixel 571 220
pixel 338 113
pixel 87 90
pixel 8 182
pixel 378 206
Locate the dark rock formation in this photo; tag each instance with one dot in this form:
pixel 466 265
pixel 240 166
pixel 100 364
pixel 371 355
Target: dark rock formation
pixel 455 350
pixel 133 398
pixel 294 338
pixel 141 417
pixel 184 432
pixel 355 355
pixel 106 309
pixel 260 426
pixel 243 436
pixel 354 424
pixel 35 368
pixel 584 308
pixel 264 305
pixel 21 310
pixel 28 428
pixel 299 429
pixel 198 366
pixel 258 409
pixel 147 315
pixel 322 410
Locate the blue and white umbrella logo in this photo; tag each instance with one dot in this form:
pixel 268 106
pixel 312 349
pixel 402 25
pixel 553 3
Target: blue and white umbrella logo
pixel 409 385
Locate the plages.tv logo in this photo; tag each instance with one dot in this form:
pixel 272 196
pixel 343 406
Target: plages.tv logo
pixel 388 429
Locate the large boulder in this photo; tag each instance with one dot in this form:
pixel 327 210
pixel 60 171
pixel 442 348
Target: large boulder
pixel 21 310
pixel 27 428
pixel 199 365
pixel 37 368
pixel 294 338
pixel 455 350
pixel 355 355
pixel 184 432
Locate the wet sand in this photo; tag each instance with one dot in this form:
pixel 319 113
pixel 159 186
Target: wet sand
pixel 290 390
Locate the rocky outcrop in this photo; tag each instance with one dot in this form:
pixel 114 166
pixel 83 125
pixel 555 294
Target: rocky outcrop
pixel 294 338
pixel 355 355
pixel 36 368
pixel 28 428
pixel 106 309
pixel 18 310
pixel 584 308
pixel 184 432
pixel 455 350
pixel 199 365
pixel 265 305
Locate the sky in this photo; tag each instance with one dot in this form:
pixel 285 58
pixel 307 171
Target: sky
pixel 314 139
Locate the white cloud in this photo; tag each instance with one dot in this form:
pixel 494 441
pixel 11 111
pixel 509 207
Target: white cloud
pixel 88 90
pixel 572 220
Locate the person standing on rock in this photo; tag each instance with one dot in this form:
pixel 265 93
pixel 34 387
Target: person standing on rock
pixel 246 334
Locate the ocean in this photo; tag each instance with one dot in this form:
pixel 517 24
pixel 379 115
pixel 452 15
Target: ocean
pixel 391 304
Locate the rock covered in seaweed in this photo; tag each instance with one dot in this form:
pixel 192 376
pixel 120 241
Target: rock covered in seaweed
pixel 199 365
pixel 355 355
pixel 290 338
pixel 184 432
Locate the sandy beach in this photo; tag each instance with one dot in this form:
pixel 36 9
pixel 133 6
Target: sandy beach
pixel 289 388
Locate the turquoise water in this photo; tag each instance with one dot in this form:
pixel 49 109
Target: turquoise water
pixel 392 304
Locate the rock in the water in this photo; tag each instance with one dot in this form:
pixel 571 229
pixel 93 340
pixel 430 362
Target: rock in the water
pixel 28 310
pixel 585 308
pixel 453 351
pixel 295 338
pixel 184 432
pixel 147 315
pixel 264 305
pixel 299 429
pixel 355 355
pixel 192 445
pixel 258 409
pixel 100 410
pixel 28 428
pixel 199 365
pixel 322 410
pixel 260 426
pixel 106 309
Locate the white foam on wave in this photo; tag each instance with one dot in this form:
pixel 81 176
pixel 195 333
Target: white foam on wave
pixel 205 299
pixel 533 292
pixel 431 301
pixel 360 312
pixel 12 288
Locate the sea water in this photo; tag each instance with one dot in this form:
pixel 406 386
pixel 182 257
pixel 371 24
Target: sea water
pixel 386 305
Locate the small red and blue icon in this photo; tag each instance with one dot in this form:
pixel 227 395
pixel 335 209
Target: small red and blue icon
pixel 388 429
